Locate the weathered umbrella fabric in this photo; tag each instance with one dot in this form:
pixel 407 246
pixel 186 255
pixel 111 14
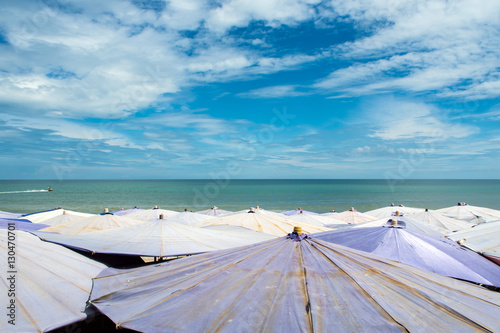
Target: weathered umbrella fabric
pixel 472 214
pixel 432 253
pixel 151 214
pixel 391 211
pixel 123 212
pixel 298 211
pixel 188 218
pixel 285 285
pixel 158 238
pixel 52 284
pixel 40 217
pixel 352 216
pixel 92 224
pixel 21 224
pixel 483 238
pixel 266 223
pixel 319 220
pixel 214 212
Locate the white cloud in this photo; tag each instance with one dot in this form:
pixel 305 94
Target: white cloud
pixel 117 58
pixel 402 120
pixel 237 13
pixel 420 46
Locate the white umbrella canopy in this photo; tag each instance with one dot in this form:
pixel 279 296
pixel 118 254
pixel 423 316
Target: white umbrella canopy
pixel 391 211
pixel 259 211
pixel 352 216
pixel 214 211
pixel 409 223
pixel 266 223
pixel 188 218
pixel 151 214
pixel 298 211
pixel 158 238
pixel 92 224
pixel 65 217
pixel 319 220
pixel 472 214
pixel 43 216
pixel 483 238
pixel 52 284
pixel 434 218
pixel 284 285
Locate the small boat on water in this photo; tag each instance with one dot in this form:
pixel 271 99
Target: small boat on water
pixel 49 189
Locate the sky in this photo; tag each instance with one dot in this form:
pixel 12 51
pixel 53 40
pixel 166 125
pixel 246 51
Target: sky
pixel 243 89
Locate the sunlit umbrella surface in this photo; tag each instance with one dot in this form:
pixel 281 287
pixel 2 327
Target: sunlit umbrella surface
pixel 285 285
pixel 158 238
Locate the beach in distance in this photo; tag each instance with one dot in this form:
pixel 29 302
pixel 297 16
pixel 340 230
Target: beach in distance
pixel 321 196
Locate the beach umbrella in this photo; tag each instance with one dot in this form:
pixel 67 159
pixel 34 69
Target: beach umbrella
pixel 391 211
pixel 259 211
pixel 298 211
pixel 320 220
pixel 262 222
pixel 409 223
pixel 65 217
pixel 158 238
pixel 40 217
pixel 483 238
pixel 92 224
pixel 352 216
pixel 214 211
pixel 292 285
pixel 21 224
pixel 472 214
pixel 122 211
pixel 432 253
pixel 51 284
pixel 151 214
pixel 434 218
pixel 7 215
pixel 188 218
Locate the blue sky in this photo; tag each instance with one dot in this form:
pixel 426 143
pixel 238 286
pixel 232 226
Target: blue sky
pixel 249 89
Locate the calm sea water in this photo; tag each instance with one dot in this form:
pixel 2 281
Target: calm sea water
pixel 92 196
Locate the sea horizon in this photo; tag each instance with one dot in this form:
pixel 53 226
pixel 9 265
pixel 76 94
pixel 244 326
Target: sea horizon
pixel 317 195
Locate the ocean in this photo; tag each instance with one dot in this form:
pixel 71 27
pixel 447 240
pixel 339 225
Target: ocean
pixel 92 196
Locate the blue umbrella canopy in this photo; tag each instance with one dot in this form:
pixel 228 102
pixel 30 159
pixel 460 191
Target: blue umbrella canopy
pixel 432 253
pixel 292 285
pixel 9 215
pixel 21 224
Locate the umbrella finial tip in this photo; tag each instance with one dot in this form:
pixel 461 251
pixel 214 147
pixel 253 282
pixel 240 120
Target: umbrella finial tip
pixel 297 230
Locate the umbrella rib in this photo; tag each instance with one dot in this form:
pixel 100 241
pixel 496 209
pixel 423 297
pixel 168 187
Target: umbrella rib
pixel 308 304
pixel 419 293
pixel 356 282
